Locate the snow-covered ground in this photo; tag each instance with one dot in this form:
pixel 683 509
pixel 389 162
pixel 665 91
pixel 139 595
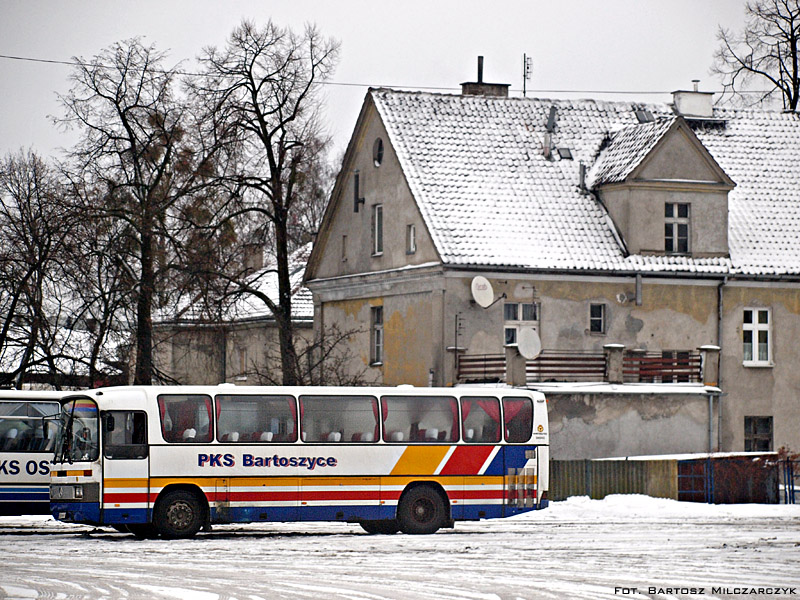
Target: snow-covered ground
pixel 578 548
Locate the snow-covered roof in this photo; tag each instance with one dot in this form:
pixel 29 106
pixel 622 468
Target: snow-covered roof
pixel 490 197
pixel 247 306
pixel 626 150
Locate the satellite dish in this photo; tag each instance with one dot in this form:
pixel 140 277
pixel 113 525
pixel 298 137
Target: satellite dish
pixel 482 291
pixel 528 342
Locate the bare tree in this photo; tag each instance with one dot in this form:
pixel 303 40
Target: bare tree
pixel 766 51
pixel 34 226
pixel 262 92
pixel 140 154
pixel 328 360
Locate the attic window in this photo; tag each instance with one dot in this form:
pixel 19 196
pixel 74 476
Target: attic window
pixel 377 152
pixel 644 116
pixel 564 153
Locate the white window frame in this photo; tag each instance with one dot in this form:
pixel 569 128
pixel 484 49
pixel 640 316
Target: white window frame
pixel 603 318
pixel 411 239
pixel 377 229
pixel 673 223
pixel 755 329
pixel 511 326
pixel 376 335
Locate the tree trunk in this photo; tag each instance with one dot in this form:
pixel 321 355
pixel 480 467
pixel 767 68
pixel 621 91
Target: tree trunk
pixel 143 373
pixel 284 314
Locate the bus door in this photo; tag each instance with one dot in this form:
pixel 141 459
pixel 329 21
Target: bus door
pixel 126 467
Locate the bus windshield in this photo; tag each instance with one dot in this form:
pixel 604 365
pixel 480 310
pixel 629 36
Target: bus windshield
pixel 78 432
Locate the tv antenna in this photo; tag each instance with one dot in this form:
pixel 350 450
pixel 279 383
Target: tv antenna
pixel 527 69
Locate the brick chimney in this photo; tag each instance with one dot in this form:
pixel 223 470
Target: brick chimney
pixel 479 88
pixel 693 103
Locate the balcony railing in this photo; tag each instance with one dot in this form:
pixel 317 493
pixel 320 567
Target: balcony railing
pixel 662 367
pixel 564 365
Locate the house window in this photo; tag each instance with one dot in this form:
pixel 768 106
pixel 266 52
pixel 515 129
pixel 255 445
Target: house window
pixel 376 329
pixel 344 248
pixel 517 315
pixel 411 239
pixel 758 434
pixel 597 318
pixel 676 228
pixel 377 229
pixel 377 152
pixel 756 337
pixel 241 355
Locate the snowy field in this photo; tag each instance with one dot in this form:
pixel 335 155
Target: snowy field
pixel 620 547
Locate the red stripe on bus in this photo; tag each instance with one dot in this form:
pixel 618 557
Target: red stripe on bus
pixel 466 460
pixel 476 494
pixel 125 498
pixel 306 496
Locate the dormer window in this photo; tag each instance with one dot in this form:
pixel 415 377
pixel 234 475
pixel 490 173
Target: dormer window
pixel 676 228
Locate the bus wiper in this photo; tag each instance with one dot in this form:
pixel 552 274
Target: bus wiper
pixel 66 440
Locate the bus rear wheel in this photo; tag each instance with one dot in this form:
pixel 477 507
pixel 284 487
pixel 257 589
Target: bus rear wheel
pixel 421 510
pixel 387 526
pixel 178 514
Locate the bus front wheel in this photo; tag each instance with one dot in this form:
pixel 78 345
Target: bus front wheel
pixel 178 514
pixel 421 510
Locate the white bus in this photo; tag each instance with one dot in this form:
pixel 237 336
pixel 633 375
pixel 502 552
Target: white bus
pixel 27 439
pixel 171 460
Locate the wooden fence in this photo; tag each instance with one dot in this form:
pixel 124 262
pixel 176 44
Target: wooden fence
pixel 600 478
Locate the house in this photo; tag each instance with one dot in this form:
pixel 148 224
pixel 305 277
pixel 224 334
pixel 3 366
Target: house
pixel 607 241
pixel 242 345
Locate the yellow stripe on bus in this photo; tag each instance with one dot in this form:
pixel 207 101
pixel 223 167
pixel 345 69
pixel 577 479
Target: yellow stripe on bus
pixel 420 460
pixel 125 483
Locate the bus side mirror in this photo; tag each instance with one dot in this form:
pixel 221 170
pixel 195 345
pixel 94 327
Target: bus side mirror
pixel 110 423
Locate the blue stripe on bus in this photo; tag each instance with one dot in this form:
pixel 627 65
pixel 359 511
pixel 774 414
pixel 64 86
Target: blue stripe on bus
pixel 32 494
pixel 509 457
pixel 77 512
pixel 126 515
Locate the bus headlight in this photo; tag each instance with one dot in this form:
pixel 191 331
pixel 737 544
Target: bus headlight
pixel 79 492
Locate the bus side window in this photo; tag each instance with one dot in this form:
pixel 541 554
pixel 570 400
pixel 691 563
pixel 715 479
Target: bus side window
pixel 124 434
pixel 428 419
pixel 480 419
pixel 339 418
pixel 256 418
pixel 518 416
pixel 185 418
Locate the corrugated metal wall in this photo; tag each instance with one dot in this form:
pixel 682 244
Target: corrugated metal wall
pixel 599 478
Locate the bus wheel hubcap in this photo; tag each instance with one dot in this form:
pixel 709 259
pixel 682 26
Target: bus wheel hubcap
pixel 180 515
pixel 423 510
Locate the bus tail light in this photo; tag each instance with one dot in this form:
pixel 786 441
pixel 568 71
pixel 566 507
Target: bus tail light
pixel 521 486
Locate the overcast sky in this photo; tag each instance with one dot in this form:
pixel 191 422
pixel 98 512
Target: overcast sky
pixel 585 45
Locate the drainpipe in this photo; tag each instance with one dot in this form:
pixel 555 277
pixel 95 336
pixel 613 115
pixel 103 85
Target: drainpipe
pixel 719 371
pixel 710 423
